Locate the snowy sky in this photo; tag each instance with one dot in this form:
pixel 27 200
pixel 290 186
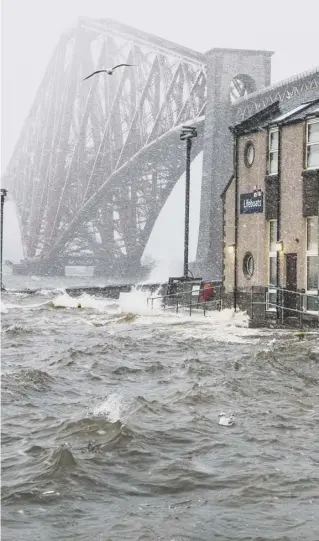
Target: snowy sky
pixel 32 28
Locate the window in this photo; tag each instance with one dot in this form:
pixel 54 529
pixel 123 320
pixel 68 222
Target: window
pixel 272 266
pixel 312 265
pixel 312 234
pixel 248 265
pixel 313 144
pixel 249 154
pixel 273 151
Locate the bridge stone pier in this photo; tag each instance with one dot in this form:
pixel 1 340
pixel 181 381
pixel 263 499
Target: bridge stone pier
pixel 231 74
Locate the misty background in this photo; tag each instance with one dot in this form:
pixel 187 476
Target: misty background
pixel 31 29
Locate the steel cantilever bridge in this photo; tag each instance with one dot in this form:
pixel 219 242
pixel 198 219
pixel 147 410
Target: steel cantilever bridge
pixel 97 159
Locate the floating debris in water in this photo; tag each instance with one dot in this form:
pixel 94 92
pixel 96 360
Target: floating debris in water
pixel 225 420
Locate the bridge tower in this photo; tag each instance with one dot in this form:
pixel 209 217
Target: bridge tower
pixel 231 74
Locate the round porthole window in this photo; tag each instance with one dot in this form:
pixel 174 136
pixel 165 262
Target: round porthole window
pixel 249 154
pixel 248 265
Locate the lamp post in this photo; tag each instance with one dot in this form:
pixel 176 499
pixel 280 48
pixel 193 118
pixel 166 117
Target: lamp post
pixel 187 134
pixel 3 196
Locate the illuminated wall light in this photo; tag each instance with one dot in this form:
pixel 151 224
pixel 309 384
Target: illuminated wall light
pixel 279 246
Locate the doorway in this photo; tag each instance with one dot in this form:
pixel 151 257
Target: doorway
pixel 291 285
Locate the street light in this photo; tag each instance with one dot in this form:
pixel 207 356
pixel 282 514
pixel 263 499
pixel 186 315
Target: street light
pixel 3 196
pixel 187 133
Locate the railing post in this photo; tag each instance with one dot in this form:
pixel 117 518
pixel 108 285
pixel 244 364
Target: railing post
pixel 300 305
pixel 251 304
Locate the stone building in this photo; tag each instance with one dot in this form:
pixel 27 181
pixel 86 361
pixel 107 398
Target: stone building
pixel 270 209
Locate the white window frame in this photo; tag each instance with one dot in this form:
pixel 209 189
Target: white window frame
pixel 271 254
pixel 316 143
pixel 273 151
pixel 310 253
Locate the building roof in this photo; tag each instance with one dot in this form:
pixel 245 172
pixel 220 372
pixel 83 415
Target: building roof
pixel 298 113
pixel 256 121
pixel 289 112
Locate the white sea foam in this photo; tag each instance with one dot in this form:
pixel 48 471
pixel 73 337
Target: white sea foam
pixel 139 302
pixel 224 326
pixel 50 292
pixel 84 301
pixel 163 269
pixel 6 306
pixel 3 308
pixel 112 408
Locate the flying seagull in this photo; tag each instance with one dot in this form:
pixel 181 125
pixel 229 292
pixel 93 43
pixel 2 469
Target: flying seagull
pixel 108 71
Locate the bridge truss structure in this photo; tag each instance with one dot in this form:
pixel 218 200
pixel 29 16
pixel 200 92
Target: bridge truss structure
pixel 97 159
pixel 291 88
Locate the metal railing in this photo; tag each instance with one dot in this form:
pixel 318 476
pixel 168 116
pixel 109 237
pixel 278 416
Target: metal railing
pixel 287 304
pixel 265 302
pixel 187 301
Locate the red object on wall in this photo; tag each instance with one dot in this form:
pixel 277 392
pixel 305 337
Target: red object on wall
pixel 207 292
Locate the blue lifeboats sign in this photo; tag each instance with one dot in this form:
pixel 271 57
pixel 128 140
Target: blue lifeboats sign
pixel 251 202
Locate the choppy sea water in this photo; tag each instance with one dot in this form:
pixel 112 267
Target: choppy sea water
pixel 110 424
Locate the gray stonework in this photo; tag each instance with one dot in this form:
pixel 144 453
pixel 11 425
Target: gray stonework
pixel 222 66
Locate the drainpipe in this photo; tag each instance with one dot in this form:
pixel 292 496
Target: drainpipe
pixel 236 219
pixel 278 296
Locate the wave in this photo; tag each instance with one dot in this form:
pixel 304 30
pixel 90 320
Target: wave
pixel 122 318
pixel 89 426
pixel 136 302
pixel 26 380
pixel 84 301
pixel 290 356
pixel 149 367
pixel 47 466
pixel 16 330
pixel 98 433
pixel 60 461
pixel 134 309
pixel 3 308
